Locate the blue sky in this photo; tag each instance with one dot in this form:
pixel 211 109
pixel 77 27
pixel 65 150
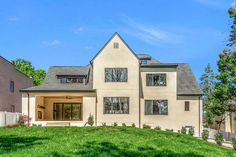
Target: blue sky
pixel 63 32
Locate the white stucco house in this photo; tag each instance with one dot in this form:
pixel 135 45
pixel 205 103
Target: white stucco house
pixel 119 86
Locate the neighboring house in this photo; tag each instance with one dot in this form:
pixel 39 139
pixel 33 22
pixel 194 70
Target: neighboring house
pixel 11 81
pixel 117 86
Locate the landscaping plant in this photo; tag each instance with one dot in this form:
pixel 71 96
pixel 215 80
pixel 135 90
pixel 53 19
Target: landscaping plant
pixel 219 138
pixel 234 143
pixel 183 130
pixel 90 120
pixel 145 126
pixel 205 134
pixel 191 131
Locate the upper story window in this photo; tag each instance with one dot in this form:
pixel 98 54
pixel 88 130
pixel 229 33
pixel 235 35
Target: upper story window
pixel 186 106
pixel 115 45
pixel 116 105
pixel 143 61
pixel 71 78
pixel 156 79
pixel 156 107
pixel 116 74
pixel 12 86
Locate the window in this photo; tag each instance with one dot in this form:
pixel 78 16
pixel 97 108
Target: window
pixel 12 88
pixel 40 115
pixel 186 106
pixel 156 107
pixel 116 45
pixel 67 111
pixel 156 79
pixel 143 62
pixel 116 105
pixel 71 79
pixel 116 74
pixel 12 108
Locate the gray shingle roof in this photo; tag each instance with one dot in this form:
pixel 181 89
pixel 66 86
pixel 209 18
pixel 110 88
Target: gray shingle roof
pixel 51 83
pixel 150 59
pixel 186 82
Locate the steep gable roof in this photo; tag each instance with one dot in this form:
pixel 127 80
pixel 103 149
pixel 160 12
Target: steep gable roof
pixel 115 34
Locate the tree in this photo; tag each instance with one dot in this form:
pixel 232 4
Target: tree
pixel 232 35
pixel 27 68
pixel 225 86
pixel 207 86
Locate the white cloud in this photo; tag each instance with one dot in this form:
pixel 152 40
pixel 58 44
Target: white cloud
pixel 78 30
pixel 13 19
pixel 233 4
pixel 51 43
pixel 150 34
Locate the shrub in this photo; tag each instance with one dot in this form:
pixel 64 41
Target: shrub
pixel 145 126
pixel 183 130
pixel 104 124
pixel 115 124
pixel 157 128
pixel 205 134
pixel 234 143
pixel 133 125
pixel 170 130
pixel 24 120
pixel 90 120
pixel 123 124
pixel 191 131
pixel 219 138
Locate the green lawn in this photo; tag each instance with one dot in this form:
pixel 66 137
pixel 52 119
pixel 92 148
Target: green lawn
pixel 102 141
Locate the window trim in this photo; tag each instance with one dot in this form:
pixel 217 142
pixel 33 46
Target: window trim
pixel 156 74
pixel 115 113
pixel 116 81
pixel 152 105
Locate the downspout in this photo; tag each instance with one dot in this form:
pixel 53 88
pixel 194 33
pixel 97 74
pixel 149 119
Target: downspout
pixel 28 108
pixel 139 118
pixel 199 102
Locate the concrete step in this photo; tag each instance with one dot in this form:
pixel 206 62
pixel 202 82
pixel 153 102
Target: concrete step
pixel 58 124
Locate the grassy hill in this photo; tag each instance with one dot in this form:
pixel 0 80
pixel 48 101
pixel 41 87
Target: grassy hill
pixel 103 141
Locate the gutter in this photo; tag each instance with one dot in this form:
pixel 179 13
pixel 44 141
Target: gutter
pixel 199 117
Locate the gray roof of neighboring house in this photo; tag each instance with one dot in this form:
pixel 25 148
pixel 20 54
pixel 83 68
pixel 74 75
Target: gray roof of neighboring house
pixel 51 82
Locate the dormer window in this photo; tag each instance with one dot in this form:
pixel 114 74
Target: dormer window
pixel 116 45
pixel 143 61
pixel 71 79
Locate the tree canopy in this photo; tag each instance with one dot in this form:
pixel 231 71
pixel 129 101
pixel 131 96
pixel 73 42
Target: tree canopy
pixel 28 69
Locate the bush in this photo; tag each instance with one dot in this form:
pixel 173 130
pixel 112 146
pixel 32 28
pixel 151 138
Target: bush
pixel 157 128
pixel 104 124
pixel 170 130
pixel 205 134
pixel 133 125
pixel 191 131
pixel 115 124
pixel 90 120
pixel 145 126
pixel 234 143
pixel 183 130
pixel 123 124
pixel 219 138
pixel 24 120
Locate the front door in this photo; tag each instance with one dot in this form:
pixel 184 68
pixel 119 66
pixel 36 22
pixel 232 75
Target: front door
pixel 67 111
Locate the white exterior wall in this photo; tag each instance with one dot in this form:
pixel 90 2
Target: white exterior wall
pixel 117 58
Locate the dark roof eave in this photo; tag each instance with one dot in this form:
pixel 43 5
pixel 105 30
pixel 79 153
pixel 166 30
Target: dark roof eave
pixel 160 65
pixel 92 90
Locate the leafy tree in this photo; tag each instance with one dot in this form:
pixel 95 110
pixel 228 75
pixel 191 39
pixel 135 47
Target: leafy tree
pixel 232 35
pixel 207 86
pixel 27 68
